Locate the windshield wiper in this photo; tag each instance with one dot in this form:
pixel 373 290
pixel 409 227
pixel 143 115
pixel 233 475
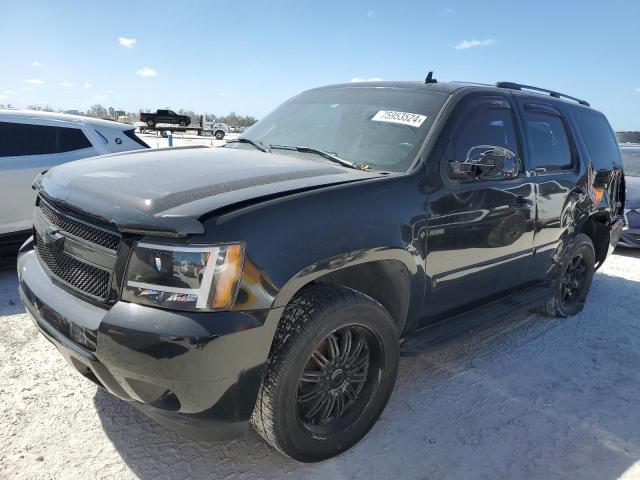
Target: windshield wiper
pixel 328 155
pixel 258 145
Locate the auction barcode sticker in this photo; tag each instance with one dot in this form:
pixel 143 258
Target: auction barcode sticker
pixel 404 118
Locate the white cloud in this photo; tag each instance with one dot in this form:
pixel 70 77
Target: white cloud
pixel 34 81
pixel 474 43
pixel 371 13
pixel 448 11
pixel 8 92
pixel 147 72
pixel 101 97
pixel 108 92
pixel 87 85
pixel 360 79
pixel 3 96
pixel 637 89
pixel 127 42
pixel 223 94
pixel 36 64
pixel 67 84
pixel 26 89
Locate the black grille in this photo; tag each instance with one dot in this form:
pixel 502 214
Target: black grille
pixel 79 275
pixel 79 229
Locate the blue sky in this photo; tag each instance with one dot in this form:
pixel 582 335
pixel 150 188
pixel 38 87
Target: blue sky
pixel 250 56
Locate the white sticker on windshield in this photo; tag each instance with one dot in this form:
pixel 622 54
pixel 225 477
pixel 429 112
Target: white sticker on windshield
pixel 404 118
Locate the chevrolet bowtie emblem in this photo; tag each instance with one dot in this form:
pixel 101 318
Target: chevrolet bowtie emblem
pixel 54 239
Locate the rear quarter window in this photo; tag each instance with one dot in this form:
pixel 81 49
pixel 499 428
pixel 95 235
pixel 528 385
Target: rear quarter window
pixel 598 138
pixel 70 139
pixel 132 135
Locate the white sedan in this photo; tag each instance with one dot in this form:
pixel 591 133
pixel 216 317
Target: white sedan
pixel 32 142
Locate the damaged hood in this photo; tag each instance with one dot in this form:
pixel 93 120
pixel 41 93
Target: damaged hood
pixel 167 191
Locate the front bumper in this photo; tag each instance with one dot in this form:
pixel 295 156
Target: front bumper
pixel 197 373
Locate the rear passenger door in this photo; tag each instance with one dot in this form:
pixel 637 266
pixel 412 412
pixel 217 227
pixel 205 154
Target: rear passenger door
pixel 162 116
pixel 479 229
pixel 27 149
pixel 554 161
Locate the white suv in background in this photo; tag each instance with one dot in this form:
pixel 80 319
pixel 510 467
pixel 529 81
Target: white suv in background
pixel 32 142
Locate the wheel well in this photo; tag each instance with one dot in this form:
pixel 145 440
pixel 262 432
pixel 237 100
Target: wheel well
pixel 597 230
pixel 386 281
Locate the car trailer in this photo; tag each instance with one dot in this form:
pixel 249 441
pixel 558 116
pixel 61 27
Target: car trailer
pixel 200 131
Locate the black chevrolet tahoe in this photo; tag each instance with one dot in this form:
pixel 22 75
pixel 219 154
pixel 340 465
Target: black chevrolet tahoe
pixel 276 280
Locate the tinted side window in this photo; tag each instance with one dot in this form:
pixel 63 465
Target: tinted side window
pixel 21 139
pixel 18 139
pixel 70 139
pixel 548 141
pixel 483 125
pixel 599 139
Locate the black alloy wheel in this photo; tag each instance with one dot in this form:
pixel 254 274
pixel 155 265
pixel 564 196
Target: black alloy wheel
pixel 330 372
pixel 573 281
pixel 339 378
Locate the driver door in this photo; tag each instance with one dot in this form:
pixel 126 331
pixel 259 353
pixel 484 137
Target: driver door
pixel 479 222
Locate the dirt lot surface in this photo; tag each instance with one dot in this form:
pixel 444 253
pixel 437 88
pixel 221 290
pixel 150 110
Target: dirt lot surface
pixel 528 398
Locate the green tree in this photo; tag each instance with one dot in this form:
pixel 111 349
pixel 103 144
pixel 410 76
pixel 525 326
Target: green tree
pixel 97 111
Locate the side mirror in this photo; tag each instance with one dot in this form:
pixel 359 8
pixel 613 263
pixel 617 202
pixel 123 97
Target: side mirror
pixel 486 162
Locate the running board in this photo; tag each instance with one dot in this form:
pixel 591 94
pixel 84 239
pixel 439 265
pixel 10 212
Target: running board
pixel 477 318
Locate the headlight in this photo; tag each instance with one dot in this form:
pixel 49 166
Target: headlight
pixel 184 277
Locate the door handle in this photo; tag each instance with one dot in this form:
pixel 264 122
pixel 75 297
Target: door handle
pixel 521 202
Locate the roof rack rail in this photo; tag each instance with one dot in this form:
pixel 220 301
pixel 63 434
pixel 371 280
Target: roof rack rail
pixel 517 86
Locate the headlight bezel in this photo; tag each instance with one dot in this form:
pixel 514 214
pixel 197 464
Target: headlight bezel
pixel 163 295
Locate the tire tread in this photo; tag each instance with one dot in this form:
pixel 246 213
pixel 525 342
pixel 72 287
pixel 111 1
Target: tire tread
pixel 551 307
pixel 294 324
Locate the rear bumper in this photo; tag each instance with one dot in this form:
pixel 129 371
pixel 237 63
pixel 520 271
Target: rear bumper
pixel 198 374
pixel 631 236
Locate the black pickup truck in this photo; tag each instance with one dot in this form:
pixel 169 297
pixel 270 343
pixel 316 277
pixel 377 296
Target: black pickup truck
pixel 164 116
pixel 274 281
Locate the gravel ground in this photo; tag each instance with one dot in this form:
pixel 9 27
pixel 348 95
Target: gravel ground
pixel 528 398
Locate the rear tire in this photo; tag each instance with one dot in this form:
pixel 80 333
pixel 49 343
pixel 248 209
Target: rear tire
pixel 183 123
pixel 151 123
pixel 573 281
pixel 336 351
pixel 219 135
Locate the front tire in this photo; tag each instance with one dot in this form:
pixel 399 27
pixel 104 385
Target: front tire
pixel 571 287
pixel 183 123
pixel 330 373
pixel 219 135
pixel 151 123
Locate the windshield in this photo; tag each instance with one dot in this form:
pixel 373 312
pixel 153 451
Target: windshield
pixel 631 159
pixel 380 127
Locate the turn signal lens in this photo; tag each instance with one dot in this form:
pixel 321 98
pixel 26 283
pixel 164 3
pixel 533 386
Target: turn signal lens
pixel 228 279
pixel 598 194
